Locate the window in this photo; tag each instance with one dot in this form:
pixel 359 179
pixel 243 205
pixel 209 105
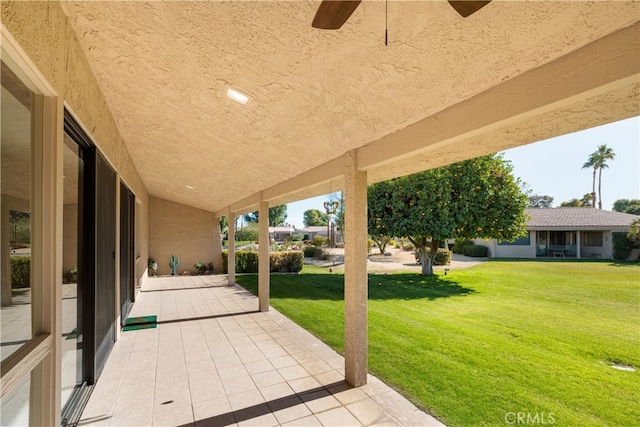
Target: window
pixel 592 238
pixel 522 241
pixel 15 188
pixel 27 165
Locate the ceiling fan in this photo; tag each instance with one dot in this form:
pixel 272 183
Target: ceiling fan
pixel 332 14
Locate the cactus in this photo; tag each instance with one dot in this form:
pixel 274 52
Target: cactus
pixel 174 263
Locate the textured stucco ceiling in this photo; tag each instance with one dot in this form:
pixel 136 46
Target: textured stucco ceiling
pixel 315 94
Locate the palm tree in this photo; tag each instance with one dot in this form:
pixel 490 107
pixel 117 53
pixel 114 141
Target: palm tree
pixel 598 161
pixel 603 154
pixel 591 163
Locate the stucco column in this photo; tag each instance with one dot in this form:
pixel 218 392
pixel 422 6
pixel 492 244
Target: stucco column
pixel 231 258
pixel 578 244
pixel 263 256
pixel 355 273
pixel 217 245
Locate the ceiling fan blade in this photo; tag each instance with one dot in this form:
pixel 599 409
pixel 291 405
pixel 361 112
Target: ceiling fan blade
pixel 466 8
pixel 331 14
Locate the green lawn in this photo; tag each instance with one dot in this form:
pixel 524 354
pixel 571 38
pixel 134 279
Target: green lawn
pixel 505 336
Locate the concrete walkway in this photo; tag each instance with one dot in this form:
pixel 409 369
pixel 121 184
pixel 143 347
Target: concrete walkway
pixel 214 360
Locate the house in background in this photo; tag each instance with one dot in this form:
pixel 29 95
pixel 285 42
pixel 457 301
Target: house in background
pixel 321 230
pixel 575 232
pixel 280 234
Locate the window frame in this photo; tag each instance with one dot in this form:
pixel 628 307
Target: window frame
pixel 37 357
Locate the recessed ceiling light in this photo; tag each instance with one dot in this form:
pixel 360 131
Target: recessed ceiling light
pixel 189 187
pixel 237 96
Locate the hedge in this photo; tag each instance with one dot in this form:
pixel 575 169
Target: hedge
pixel 622 246
pixel 476 251
pixel 311 251
pixel 281 262
pixel 20 272
pixel 460 244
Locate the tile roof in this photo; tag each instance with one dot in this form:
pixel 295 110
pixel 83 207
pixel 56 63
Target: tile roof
pixel 577 217
pixel 315 228
pixel 281 230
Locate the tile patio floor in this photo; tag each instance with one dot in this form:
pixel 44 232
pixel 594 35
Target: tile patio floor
pixel 215 360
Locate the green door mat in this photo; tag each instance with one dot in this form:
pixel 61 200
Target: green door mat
pixel 144 322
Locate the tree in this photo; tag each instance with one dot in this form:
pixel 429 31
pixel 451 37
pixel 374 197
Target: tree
pixel 591 163
pixel 379 205
pixel 584 202
pixel 630 206
pixel 249 233
pixel 598 161
pixel 277 216
pixel 474 198
pixel 315 217
pixel 538 201
pixel 571 203
pixel 224 224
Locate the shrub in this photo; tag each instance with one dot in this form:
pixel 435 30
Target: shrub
pixel 443 257
pixel 310 251
pixel 622 246
pixel 319 241
pixel 199 267
pixel 248 233
pixel 408 246
pixel 286 261
pixel 461 244
pixel 476 251
pixel 321 254
pixel 20 272
pixel 247 261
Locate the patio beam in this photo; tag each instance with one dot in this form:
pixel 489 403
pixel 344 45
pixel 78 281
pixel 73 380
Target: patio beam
pixel 355 273
pixel 263 256
pixel 594 69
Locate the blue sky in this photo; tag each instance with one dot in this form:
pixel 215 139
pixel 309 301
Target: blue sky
pixel 553 167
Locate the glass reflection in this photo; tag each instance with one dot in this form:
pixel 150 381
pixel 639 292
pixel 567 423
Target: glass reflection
pixel 15 217
pixel 71 298
pixel 14 407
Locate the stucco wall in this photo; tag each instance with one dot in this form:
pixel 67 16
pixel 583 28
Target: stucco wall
pixel 509 251
pixel 605 251
pixel 44 33
pixel 184 231
pixel 515 251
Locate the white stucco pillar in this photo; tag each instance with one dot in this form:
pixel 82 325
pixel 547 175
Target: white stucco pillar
pixel 355 273
pixel 578 244
pixel 263 256
pixel 231 252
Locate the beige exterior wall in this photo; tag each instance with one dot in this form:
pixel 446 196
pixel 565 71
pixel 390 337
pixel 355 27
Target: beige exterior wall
pixel 43 31
pixel 47 43
pixel 605 251
pixel 184 231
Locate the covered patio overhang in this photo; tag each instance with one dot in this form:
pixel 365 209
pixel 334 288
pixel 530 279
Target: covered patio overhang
pixel 327 110
pixel 595 84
